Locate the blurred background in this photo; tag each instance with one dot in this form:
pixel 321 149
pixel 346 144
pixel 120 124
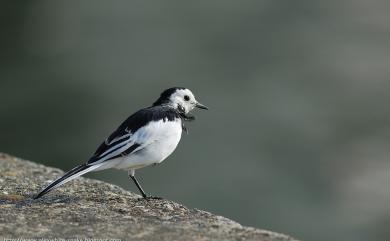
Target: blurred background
pixel 297 136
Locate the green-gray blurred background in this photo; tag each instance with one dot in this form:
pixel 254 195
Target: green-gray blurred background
pixel 297 136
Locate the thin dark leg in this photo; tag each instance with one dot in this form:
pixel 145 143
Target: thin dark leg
pixel 139 186
pixel 131 174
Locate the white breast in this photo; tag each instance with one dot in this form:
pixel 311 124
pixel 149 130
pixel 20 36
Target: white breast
pixel 159 138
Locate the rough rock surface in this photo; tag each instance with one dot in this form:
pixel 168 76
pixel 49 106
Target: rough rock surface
pixel 90 209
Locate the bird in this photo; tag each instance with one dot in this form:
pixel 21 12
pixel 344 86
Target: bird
pixel 145 138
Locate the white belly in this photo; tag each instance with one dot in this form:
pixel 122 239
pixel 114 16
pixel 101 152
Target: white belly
pixel 161 139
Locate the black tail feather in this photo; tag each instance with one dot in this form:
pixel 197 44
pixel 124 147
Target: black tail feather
pixel 56 182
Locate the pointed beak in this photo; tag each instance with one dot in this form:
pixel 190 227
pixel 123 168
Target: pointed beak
pixel 200 106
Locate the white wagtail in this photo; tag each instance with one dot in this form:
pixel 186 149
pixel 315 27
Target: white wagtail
pixel 147 137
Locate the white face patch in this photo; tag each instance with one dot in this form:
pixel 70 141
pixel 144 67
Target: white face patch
pixel 183 98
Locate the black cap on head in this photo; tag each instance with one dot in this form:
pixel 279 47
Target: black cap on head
pixel 164 97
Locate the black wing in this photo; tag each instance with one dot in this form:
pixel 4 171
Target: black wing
pixel 120 142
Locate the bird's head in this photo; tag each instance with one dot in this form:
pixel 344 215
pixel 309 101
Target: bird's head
pixel 179 98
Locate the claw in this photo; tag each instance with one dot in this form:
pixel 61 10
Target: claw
pixel 148 198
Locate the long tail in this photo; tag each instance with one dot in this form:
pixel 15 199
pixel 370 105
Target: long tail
pixel 70 175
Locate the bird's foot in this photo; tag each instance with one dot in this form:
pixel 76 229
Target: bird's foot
pixel 148 198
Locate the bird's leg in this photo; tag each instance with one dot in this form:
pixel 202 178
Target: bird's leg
pixel 132 176
pixel 138 186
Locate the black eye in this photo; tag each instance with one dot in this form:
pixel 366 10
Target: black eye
pixel 186 98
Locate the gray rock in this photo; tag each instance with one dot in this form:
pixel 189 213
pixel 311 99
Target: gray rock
pixel 86 208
